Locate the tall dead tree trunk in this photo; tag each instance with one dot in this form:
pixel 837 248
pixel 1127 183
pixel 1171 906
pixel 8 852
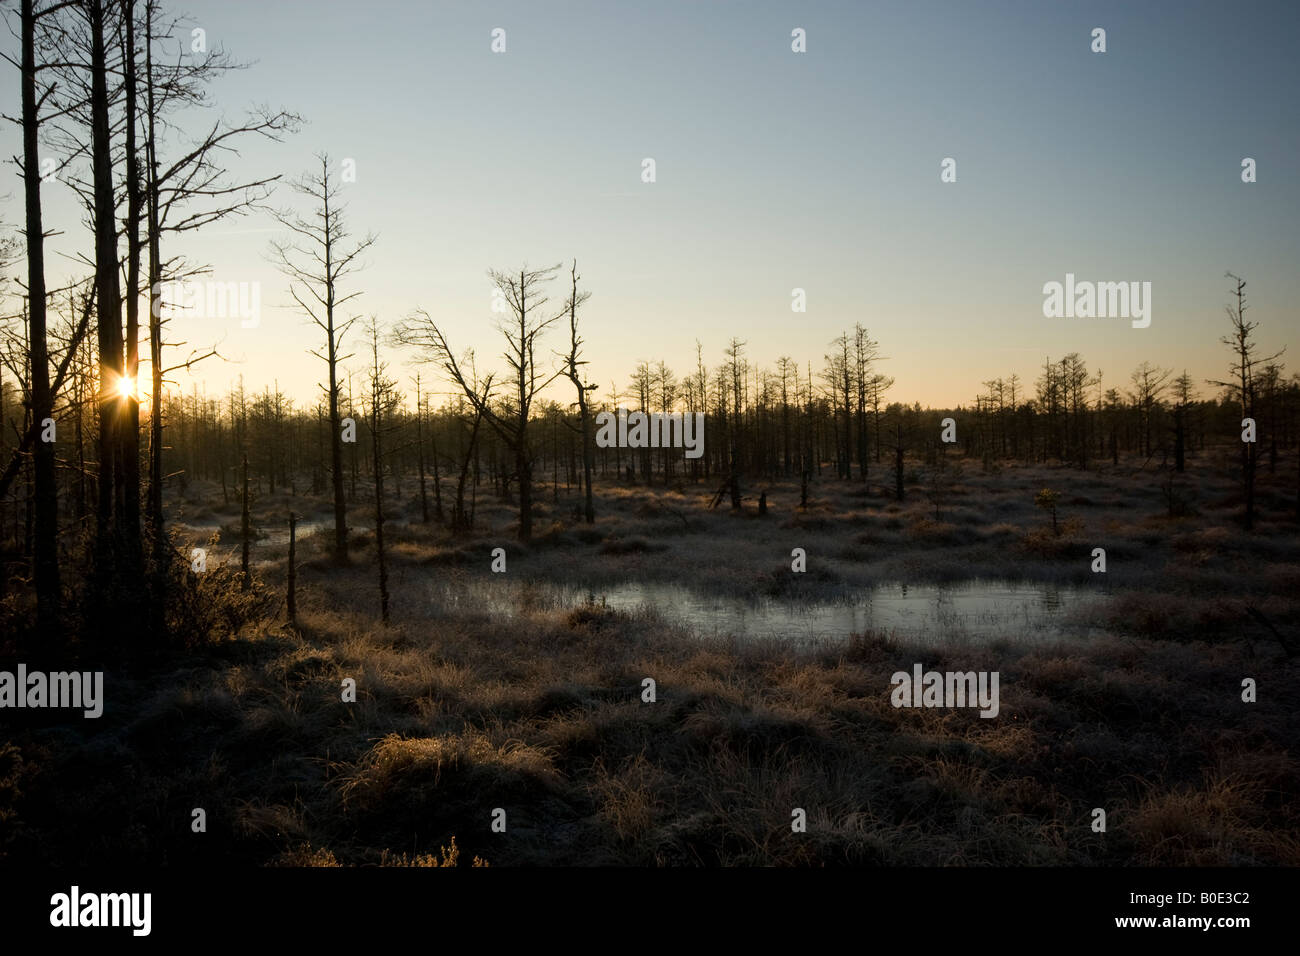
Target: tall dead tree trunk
pixel 134 200
pixel 246 529
pixel 292 583
pixel 1242 385
pixel 46 557
pixel 117 538
pixel 380 393
pixel 314 272
pixel 153 494
pixel 572 364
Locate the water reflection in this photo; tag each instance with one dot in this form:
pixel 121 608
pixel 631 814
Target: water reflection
pixel 973 609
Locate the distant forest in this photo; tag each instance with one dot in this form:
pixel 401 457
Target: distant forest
pixel 765 423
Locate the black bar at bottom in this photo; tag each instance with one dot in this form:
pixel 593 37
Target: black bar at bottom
pixel 327 905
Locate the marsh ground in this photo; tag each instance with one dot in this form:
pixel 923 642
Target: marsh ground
pixel 461 709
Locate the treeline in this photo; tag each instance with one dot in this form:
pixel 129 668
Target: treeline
pixel 778 422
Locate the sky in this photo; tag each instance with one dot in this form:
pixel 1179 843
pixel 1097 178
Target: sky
pixel 775 170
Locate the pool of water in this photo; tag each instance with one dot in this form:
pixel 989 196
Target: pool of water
pixel 974 610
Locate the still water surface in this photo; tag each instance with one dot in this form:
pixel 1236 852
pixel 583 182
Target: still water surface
pixel 980 610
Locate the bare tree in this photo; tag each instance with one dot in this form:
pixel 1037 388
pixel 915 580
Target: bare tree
pixel 315 264
pixel 522 293
pixel 184 194
pixel 45 493
pixel 84 51
pixel 876 388
pixel 1149 384
pixel 1185 394
pixel 383 403
pixel 1241 386
pixel 735 371
pixel 865 353
pixel 838 375
pixel 572 363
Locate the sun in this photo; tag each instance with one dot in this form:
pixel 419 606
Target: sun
pixel 126 387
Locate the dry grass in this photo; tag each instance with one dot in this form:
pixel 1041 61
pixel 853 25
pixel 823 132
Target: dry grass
pixel 461 710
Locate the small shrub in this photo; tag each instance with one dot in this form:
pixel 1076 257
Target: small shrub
pixel 1047 500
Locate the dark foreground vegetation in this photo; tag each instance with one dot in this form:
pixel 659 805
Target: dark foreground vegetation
pixel 460 710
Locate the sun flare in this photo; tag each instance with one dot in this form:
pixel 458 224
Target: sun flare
pixel 126 387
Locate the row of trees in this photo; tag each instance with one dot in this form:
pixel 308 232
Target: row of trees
pixel 787 422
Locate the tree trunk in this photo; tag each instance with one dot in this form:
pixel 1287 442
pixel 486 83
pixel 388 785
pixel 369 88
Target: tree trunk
pixel 379 514
pixel 336 461
pixel 117 547
pixel 131 408
pixel 292 571
pixel 590 511
pixel 46 559
pixel 1248 453
pixel 245 524
pixel 524 469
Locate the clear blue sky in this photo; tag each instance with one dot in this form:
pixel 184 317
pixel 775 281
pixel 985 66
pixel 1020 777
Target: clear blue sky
pixel 778 170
